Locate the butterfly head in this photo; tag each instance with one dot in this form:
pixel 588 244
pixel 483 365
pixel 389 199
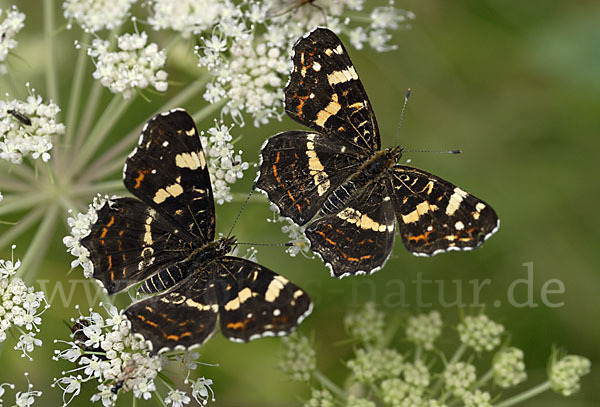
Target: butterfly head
pixel 226 244
pixel 393 154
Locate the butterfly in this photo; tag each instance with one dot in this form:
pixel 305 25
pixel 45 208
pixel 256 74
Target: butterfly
pixel 165 238
pixel 353 191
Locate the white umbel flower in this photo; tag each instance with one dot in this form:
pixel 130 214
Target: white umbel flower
pixel 96 15
pixel 28 128
pixel 565 373
pixel 11 22
pixel 480 333
pixel 136 65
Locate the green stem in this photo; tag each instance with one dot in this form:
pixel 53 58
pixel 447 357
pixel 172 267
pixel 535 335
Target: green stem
pixel 207 111
pixel 49 61
pixel 110 162
pixel 88 115
pixel 76 89
pixel 24 172
pixel 328 384
pixel 392 329
pixel 37 250
pixel 101 187
pixel 485 378
pixel 539 389
pixel 20 203
pixel 104 125
pixel 455 358
pixel 12 184
pixel 10 235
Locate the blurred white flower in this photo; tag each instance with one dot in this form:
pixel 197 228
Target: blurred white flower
pixel 96 15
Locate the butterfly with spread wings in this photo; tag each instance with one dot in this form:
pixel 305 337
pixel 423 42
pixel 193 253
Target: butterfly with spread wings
pixel 353 191
pixel 164 238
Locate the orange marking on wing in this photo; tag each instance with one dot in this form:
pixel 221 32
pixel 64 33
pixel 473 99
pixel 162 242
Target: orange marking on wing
pixel 112 276
pixel 140 178
pixel 299 208
pixel 275 171
pixel 104 232
pixel 236 325
pixel 172 337
pixel 185 334
pixel 352 259
pixel 368 256
pixel 291 197
pixel 109 262
pixel 277 157
pixel 422 236
pixel 301 100
pixel 111 221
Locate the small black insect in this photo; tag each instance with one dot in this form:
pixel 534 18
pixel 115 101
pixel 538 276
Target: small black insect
pixel 22 117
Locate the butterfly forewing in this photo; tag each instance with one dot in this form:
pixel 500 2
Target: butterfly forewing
pixel 325 93
pixel 256 301
pixel 168 171
pixel 299 169
pixel 129 242
pixel 436 216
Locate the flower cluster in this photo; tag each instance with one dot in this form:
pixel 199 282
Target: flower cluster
pixel 381 375
pixel 424 329
pixel 480 333
pixel 107 352
pixel 248 48
pixel 367 325
pixel 22 398
pixel 80 225
pixel 299 357
pixel 187 16
pixel 20 307
pixel 28 128
pixel 295 233
pixel 96 15
pixel 509 368
pixel 135 66
pixel 565 373
pixel 9 27
pixel 224 164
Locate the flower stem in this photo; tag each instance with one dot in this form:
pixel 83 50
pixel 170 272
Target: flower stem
pixel 36 251
pixel 105 123
pixel 328 384
pixel 76 88
pixel 10 235
pixel 92 101
pixel 455 358
pixel 540 388
pixel 101 187
pixel 109 162
pixel 49 61
pixel 20 203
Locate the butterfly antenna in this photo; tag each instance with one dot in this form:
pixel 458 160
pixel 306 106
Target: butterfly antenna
pixel 289 244
pixel 402 112
pixel 434 151
pixel 241 210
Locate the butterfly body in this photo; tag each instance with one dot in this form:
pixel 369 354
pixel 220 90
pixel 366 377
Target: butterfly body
pixel 164 238
pixel 337 179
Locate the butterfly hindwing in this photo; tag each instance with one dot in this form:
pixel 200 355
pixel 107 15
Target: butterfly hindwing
pixel 435 216
pixel 299 169
pixel 256 301
pixel 359 238
pixel 186 315
pixel 325 93
pixel 129 242
pixel 168 171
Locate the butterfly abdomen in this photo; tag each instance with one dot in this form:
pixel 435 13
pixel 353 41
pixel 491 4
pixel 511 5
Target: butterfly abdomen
pixel 163 279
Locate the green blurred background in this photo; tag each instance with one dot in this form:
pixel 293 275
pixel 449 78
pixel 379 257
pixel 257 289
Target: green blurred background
pixel 516 86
